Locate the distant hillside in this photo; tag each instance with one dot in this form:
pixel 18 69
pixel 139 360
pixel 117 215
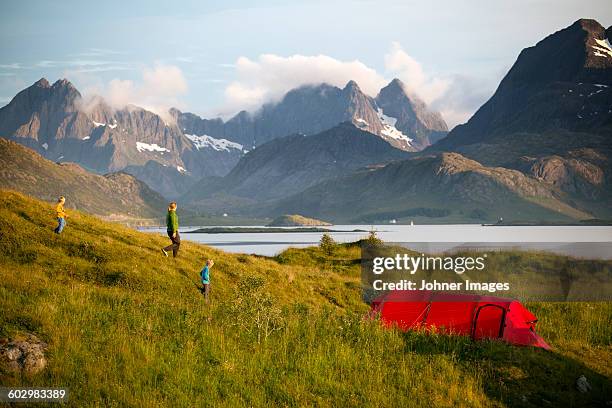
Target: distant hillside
pixel 117 196
pixel 288 165
pixel 296 220
pixel 442 188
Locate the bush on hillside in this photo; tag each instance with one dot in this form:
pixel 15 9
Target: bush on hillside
pixel 327 244
pixel 254 311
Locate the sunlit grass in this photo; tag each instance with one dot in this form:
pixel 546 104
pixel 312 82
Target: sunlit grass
pixel 127 327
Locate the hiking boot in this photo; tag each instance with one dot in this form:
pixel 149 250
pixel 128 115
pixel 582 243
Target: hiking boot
pixel 164 252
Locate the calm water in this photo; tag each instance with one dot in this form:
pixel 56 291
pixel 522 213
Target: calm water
pixel 583 241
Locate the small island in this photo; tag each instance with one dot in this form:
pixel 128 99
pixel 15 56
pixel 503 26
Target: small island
pixel 264 230
pixel 256 230
pixel 296 220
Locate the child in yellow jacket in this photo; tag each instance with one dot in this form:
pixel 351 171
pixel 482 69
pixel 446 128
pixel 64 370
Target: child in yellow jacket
pixel 61 215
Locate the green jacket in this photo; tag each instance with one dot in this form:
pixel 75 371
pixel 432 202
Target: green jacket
pixel 172 221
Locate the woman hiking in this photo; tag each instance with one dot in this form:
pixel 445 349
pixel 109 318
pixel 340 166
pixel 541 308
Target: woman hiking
pixel 172 225
pixel 61 215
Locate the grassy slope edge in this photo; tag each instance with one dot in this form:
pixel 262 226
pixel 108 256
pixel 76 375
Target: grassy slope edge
pixel 127 327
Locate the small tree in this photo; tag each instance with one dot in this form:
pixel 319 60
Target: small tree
pixel 327 244
pixel 254 310
pixel 373 239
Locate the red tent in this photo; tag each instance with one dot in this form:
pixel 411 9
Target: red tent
pixel 477 316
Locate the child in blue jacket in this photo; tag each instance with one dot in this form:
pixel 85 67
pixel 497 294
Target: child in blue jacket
pixel 205 276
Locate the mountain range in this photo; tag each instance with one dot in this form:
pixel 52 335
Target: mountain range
pixel 171 156
pixel 290 164
pixel 395 114
pixel 539 149
pixel 58 123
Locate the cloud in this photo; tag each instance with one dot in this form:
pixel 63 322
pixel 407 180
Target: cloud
pixel 14 65
pixel 269 77
pixel 98 52
pixel 159 90
pixel 401 65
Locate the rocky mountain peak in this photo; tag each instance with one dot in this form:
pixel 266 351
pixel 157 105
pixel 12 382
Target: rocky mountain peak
pixel 42 83
pixel 597 43
pixel 396 85
pixel 63 83
pixel 578 53
pixel 412 115
pixel 351 86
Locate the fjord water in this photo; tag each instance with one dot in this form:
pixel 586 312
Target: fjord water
pixel 580 241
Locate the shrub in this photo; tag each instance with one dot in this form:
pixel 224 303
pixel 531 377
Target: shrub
pixel 327 244
pixel 254 310
pixel 373 239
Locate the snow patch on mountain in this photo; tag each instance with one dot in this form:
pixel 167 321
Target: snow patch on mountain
pixel 389 128
pixel 181 169
pixel 603 48
pixel 45 146
pixel 205 141
pixel 98 124
pixel 154 147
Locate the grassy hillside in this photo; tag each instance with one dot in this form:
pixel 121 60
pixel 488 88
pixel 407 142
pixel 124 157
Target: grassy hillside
pixel 115 196
pixel 127 327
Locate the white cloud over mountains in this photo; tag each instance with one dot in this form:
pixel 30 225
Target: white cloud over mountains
pixel 269 77
pixel 160 89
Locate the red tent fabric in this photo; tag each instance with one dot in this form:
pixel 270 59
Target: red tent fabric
pixel 477 316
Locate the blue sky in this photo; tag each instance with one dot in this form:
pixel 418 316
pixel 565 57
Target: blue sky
pixel 220 56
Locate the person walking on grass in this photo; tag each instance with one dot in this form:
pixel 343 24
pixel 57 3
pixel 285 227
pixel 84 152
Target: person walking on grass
pixel 205 275
pixel 172 225
pixel 61 215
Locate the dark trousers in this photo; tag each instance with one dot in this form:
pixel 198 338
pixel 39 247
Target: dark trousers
pixel 206 290
pixel 176 243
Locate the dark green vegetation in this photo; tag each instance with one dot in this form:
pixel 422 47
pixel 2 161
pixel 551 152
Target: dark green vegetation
pixel 295 220
pixel 127 327
pixel 115 196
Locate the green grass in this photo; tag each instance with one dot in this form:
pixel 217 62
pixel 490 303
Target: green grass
pixel 127 327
